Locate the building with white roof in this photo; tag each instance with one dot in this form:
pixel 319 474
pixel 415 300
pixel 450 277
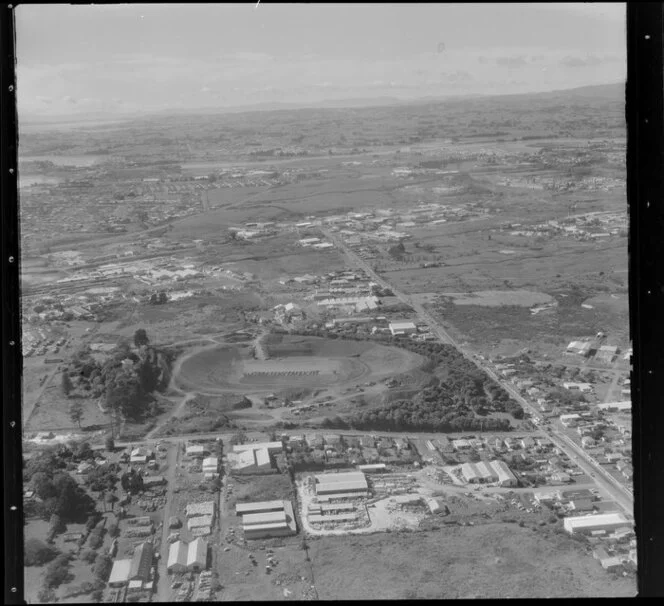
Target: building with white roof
pixel 591 523
pixel 267 519
pixel 250 461
pixel 505 475
pixel 210 465
pixel 402 328
pixel 353 482
pixel 570 420
pixel 616 406
pixel 581 348
pixel 183 557
pixel 119 576
pixel 482 472
pixel 177 557
pixel 195 451
pixel 272 447
pixel 139 455
pixel 197 555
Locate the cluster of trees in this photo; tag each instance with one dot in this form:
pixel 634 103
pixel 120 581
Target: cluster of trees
pixel 131 481
pixel 38 553
pixel 102 478
pixel 158 298
pixel 464 383
pixel 432 416
pixel 127 379
pixel 458 402
pixel 58 571
pixel 61 496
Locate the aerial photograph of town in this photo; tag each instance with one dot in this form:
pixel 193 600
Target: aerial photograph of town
pixel 324 302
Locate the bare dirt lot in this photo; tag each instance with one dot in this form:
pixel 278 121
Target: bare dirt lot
pixel 490 561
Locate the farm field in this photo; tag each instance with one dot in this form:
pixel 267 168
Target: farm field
pixel 487 561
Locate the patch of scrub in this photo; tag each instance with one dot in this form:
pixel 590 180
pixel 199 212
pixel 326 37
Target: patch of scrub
pixel 497 298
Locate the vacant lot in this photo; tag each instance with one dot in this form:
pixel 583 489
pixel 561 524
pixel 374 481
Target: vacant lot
pixel 490 561
pixel 52 411
pixel 496 298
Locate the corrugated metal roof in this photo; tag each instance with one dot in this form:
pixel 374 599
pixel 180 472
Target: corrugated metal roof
pixel 591 521
pixel 338 487
pixel 200 509
pixel 261 506
pixel 197 553
pixel 262 456
pixel 275 526
pixel 199 521
pixel 120 571
pixel 141 561
pixel 348 476
pixel 269 517
pixel 177 554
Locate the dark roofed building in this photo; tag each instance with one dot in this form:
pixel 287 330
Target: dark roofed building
pixel 141 562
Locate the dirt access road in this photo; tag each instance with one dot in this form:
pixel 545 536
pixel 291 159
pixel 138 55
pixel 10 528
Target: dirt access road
pixel 164 586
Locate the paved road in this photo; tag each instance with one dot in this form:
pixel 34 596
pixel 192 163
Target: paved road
pixel 619 493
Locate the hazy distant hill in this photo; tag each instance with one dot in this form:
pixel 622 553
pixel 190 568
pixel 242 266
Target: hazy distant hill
pixel 601 93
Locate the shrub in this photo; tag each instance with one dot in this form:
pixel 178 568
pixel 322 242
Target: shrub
pixel 57 571
pixel 97 595
pixel 38 553
pixel 95 541
pixel 89 556
pixel 87 587
pixel 92 522
pixel 113 530
pixel 46 594
pixel 102 567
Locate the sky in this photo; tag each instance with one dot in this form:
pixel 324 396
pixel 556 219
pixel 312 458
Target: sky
pixel 118 59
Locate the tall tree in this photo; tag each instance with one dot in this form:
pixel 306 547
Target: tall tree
pixel 66 383
pixel 76 413
pixel 141 337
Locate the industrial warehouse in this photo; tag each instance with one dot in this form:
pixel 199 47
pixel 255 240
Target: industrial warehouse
pixel 488 472
pixel 267 519
pixel 339 485
pixel 596 524
pixel 183 557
